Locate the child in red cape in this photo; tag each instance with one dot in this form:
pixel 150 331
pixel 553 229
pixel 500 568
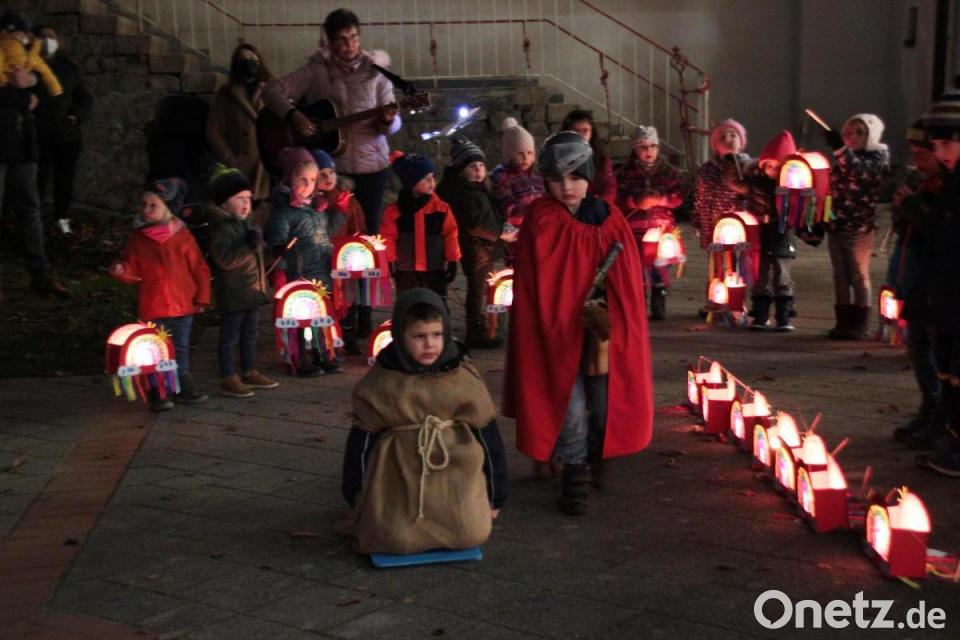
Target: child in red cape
pixel 569 403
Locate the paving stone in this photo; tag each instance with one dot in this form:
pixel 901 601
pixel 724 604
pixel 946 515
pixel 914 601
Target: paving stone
pixel 247 628
pixel 322 608
pixel 138 606
pixel 246 589
pixel 187 620
pixel 175 573
pixel 408 621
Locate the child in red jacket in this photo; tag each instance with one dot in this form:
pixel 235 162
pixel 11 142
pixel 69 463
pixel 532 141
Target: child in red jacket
pixel 164 259
pixel 419 229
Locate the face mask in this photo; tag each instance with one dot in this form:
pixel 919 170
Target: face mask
pixel 50 46
pixel 249 68
pixel 22 39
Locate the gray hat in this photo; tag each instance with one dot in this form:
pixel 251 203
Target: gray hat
pixel 645 134
pixel 463 153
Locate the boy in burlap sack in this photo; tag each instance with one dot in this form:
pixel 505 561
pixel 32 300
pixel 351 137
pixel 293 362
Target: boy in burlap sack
pixel 424 466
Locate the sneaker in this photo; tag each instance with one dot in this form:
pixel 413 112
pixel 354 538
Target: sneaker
pixel 925 439
pixel 308 371
pixel 188 393
pixel 158 404
pixel 947 464
pixel 330 366
pixel 904 431
pixel 233 387
pixel 256 380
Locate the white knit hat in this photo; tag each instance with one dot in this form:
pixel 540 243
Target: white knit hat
pixel 645 134
pixel 874 130
pixel 514 138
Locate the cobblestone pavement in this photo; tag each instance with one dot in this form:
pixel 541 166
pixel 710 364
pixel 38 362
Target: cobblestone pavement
pixel 217 521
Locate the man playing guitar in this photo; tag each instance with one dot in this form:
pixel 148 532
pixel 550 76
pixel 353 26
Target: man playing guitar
pixel 343 73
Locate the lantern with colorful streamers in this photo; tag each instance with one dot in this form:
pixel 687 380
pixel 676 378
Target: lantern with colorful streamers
pixel 821 487
pixel 803 199
pixel 380 338
pixel 499 300
pixel 304 305
pixel 733 263
pixel 140 357
pixel 361 274
pixel 897 533
pixel 892 327
pixel 786 454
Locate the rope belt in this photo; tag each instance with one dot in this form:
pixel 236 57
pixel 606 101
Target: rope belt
pixel 429 439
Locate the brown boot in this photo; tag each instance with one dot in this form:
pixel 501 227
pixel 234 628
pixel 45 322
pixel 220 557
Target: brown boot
pixel 48 285
pixel 256 380
pixel 233 387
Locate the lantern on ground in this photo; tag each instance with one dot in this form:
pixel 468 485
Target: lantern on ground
pixel 380 338
pixel 499 300
pixel 802 191
pixel 786 455
pixel 715 406
pixel 897 533
pixel 302 309
pixel 361 273
pixel 766 439
pixel 661 248
pixel 892 328
pixel 141 357
pixel 712 378
pixel 744 417
pixel 821 488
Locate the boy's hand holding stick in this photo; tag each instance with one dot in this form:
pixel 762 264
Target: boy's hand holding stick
pixel 277 260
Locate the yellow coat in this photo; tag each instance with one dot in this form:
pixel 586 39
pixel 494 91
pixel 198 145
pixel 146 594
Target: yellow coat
pixel 15 57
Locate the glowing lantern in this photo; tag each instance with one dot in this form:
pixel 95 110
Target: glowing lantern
pixel 729 231
pixel 361 273
pixel 141 357
pixel 381 337
pixel 802 191
pixel 499 299
pixel 304 305
pixel 785 455
pixel 712 378
pixel 743 419
pixel 728 293
pixel 766 438
pixel 891 326
pixel 661 248
pixel 821 489
pixel 897 533
pixel 716 404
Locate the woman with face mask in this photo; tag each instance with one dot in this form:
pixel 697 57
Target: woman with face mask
pixel 231 126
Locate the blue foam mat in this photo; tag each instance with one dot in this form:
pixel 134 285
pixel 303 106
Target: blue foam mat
pixel 387 560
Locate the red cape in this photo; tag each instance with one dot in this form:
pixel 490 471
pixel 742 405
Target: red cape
pixel 557 258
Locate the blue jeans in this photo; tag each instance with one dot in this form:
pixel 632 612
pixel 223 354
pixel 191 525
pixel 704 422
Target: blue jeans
pixel 238 327
pixel 585 422
pixel 179 328
pixel 18 182
pixel 368 190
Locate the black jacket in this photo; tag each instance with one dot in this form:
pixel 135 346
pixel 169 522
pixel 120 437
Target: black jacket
pixel 478 220
pixel 59 119
pixel 239 282
pixel 940 266
pixel 18 134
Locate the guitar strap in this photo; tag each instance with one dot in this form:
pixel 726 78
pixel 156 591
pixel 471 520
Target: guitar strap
pixel 405 86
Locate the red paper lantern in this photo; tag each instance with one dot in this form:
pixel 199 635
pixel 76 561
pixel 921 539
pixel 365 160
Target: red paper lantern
pixel 897 533
pixel 715 407
pixel 697 380
pixel 744 417
pixel 803 191
pixel 305 306
pixel 821 488
pixel 499 299
pixel 380 338
pixel 661 248
pixel 141 357
pixel 785 456
pixel 361 273
pixel 892 328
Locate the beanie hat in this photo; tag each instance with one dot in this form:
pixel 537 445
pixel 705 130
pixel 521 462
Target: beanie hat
pixel 514 138
pixel 729 123
pixel 464 153
pixel 411 168
pixel 778 148
pixel 942 121
pixel 290 158
pixel 225 183
pixel 917 136
pixel 323 159
pixel 171 190
pixel 566 154
pixel 874 130
pixel 645 134
pixel 13 21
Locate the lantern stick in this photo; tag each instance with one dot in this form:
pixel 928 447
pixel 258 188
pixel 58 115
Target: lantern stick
pixel 814 424
pixel 840 447
pixel 865 483
pixel 289 246
pixel 816 118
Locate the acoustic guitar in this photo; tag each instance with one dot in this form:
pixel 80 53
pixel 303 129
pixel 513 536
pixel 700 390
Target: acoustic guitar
pixel 273 133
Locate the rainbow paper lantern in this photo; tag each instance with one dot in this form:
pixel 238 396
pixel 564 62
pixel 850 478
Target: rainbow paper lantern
pixel 141 357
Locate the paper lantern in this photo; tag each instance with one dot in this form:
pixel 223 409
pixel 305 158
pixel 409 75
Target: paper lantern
pixel 729 293
pixel 744 417
pixel 141 357
pixel 361 273
pixel 499 300
pixel 766 438
pixel 821 488
pixel 715 406
pixel 897 533
pixel 661 248
pixel 697 380
pixel 304 305
pixel 892 328
pixel 802 191
pixel 380 338
pixel 786 454
pixel 729 231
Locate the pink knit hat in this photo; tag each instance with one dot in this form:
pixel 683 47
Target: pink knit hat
pixel 778 148
pixel 291 158
pixel 514 138
pixel 729 123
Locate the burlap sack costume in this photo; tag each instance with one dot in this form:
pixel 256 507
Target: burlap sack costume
pixel 424 487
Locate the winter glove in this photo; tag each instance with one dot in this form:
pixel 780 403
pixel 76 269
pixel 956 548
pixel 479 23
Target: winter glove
pixel 343 200
pixel 833 139
pixel 254 238
pixel 451 271
pixel 278 279
pixel 319 202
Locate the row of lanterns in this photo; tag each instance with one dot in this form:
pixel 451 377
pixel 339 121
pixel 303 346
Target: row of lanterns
pixel 800 466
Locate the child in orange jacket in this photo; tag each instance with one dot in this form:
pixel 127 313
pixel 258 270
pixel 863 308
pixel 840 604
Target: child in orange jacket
pixel 419 229
pixel 164 259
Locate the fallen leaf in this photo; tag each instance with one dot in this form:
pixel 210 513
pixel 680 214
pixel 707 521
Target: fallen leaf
pixel 784 516
pixel 409 600
pixel 670 453
pixel 859 367
pixel 347 601
pixel 216 555
pixel 674 410
pixel 17 462
pixel 716 479
pixel 699 327
pixel 748 493
pixel 766 378
pixel 823 565
pixel 672 462
pixel 724 567
pixel 436 633
pixel 320 438
pixel 71 542
pixel 304 535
